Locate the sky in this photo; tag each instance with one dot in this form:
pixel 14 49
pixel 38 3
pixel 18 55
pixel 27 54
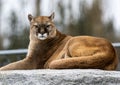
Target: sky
pixel 111 9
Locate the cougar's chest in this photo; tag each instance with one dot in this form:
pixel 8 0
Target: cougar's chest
pixel 57 52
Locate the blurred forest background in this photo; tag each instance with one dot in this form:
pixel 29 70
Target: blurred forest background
pixel 88 20
pixel 73 17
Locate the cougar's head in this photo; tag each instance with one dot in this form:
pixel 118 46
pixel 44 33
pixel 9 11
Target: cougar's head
pixel 42 27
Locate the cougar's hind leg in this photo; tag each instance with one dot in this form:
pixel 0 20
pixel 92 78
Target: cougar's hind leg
pixel 86 57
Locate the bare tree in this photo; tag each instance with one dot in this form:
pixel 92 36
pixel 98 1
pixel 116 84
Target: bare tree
pixel 1 38
pixel 37 7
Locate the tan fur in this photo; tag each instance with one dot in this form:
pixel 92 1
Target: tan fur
pixel 60 51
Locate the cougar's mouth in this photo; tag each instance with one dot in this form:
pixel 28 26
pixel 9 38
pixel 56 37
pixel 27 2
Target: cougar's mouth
pixel 42 36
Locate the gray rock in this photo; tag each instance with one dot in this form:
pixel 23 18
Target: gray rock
pixel 60 77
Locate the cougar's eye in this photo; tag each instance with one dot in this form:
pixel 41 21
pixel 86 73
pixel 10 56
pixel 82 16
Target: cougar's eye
pixel 47 26
pixel 36 26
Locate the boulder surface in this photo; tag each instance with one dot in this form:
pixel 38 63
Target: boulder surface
pixel 60 77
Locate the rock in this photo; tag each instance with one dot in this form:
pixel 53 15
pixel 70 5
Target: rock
pixel 60 77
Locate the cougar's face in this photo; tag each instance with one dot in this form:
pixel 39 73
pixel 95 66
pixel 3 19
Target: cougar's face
pixel 42 27
pixel 43 30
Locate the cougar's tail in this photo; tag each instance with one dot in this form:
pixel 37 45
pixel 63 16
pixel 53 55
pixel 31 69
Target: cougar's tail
pixel 97 61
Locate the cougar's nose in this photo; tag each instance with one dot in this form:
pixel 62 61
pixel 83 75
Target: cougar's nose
pixel 41 31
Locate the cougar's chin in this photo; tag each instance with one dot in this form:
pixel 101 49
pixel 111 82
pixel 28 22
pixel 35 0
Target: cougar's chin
pixel 42 36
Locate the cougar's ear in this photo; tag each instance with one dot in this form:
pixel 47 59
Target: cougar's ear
pixel 51 17
pixel 30 17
